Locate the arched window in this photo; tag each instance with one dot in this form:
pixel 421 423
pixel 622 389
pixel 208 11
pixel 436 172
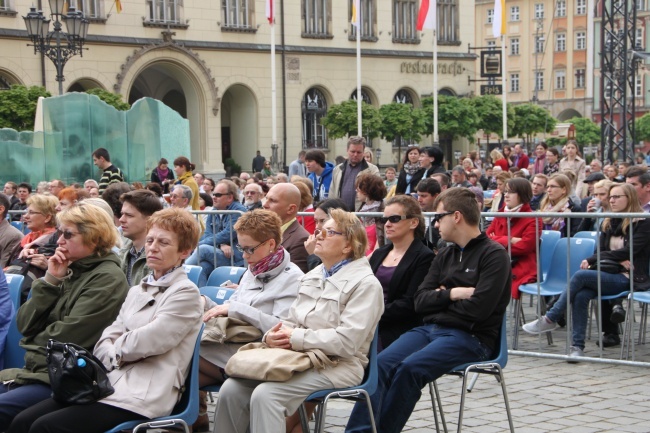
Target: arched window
pixel 403 96
pixel 365 97
pixel 314 108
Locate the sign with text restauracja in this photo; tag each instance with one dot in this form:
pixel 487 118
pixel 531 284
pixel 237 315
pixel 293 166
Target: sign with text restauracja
pixel 451 68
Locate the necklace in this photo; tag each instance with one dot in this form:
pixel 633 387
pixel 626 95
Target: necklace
pixel 396 257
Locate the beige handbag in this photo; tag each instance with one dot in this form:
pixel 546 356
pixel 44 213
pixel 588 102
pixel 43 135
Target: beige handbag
pixel 257 361
pixel 229 330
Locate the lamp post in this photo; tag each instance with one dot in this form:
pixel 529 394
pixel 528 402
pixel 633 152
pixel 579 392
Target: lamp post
pixel 57 45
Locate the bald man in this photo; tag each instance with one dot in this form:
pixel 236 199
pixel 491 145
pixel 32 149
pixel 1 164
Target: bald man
pixel 284 200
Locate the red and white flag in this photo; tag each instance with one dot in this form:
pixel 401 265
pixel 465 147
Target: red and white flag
pixel 270 11
pixel 427 15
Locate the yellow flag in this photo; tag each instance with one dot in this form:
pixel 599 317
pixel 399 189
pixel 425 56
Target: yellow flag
pixel 118 6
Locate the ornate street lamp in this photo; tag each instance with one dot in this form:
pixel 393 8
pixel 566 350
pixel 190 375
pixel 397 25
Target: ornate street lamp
pixel 57 45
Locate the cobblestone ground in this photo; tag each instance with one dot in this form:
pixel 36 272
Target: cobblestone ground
pixel 546 395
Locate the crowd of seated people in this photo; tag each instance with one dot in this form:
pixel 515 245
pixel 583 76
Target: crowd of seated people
pixel 322 281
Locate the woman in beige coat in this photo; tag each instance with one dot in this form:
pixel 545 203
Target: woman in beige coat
pixel 148 348
pixel 337 310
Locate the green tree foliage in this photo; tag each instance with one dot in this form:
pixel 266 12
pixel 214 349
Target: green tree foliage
pixel 341 120
pixel 642 128
pixel 402 120
pixel 456 117
pixel 110 98
pixel 531 119
pixel 489 110
pixel 587 132
pixel 18 106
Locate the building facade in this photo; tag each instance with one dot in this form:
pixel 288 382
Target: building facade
pixel 210 61
pixel 549 53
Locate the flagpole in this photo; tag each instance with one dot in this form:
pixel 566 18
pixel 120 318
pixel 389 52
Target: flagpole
pixel 359 99
pixel 504 87
pixel 435 85
pixel 274 120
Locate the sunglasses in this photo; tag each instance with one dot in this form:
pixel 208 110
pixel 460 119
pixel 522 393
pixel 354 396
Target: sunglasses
pixel 437 217
pixel 220 194
pixel 327 232
pixel 394 219
pixel 250 250
pixel 67 234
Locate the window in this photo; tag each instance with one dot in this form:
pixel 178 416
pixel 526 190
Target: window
pixel 365 97
pixel 5 5
pixel 560 42
pixel 539 10
pixel 638 39
pixel 492 45
pixel 90 8
pixel 514 13
pixel 165 11
pixel 638 86
pixel 314 108
pixel 539 80
pixel 403 97
pixel 237 14
pixel 368 21
pixel 580 79
pixel 448 21
pixel 640 5
pixel 581 40
pixel 560 80
pixel 316 18
pixel 581 7
pixel 539 44
pixel 490 16
pixel 405 14
pixel 514 82
pixel 560 8
pixel 514 46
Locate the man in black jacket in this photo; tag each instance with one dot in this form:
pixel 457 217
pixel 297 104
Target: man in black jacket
pixel 462 301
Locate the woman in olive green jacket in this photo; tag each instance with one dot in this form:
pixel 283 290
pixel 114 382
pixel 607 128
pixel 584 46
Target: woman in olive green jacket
pixel 79 296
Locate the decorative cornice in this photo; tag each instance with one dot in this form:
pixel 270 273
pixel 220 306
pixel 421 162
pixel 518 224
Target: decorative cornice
pixel 174 46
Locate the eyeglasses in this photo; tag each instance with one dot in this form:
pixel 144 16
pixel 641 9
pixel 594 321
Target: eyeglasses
pixel 327 232
pixel 437 217
pixel 615 197
pixel 67 234
pixel 394 219
pixel 31 212
pixel 250 250
pixel 220 194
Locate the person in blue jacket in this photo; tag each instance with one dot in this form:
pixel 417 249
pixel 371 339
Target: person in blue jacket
pixel 7 312
pixel 219 239
pixel 320 173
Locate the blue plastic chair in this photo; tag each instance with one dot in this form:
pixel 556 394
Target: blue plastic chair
pixel 489 193
pixel 186 410
pixel 644 299
pixel 588 235
pixel 20 226
pixel 355 393
pixel 493 367
pixel 217 294
pixel 548 240
pixel 14 355
pixel 224 273
pixel 557 279
pixel 193 273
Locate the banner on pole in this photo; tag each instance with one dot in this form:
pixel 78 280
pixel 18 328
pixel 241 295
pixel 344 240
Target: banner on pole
pixel 427 15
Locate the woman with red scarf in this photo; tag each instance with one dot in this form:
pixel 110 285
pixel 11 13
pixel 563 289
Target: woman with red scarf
pixel 523 235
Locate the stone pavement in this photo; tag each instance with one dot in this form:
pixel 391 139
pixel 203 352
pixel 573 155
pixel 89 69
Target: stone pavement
pixel 546 395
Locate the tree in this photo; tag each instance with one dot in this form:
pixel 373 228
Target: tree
pixel 489 110
pixel 402 121
pixel 18 106
pixel 113 99
pixel 642 128
pixel 531 119
pixel 456 117
pixel 341 120
pixel 587 132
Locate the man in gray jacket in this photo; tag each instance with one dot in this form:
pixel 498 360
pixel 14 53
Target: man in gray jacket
pixel 345 175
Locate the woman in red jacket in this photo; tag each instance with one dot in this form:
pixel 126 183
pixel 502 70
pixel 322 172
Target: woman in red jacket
pixel 523 236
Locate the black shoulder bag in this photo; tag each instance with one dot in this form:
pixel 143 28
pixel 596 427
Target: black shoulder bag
pixel 76 375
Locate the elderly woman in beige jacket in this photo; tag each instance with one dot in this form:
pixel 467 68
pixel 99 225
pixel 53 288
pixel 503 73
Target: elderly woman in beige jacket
pixel 148 348
pixel 337 310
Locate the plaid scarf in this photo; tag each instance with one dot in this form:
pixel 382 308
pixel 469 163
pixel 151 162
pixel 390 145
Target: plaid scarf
pixel 269 262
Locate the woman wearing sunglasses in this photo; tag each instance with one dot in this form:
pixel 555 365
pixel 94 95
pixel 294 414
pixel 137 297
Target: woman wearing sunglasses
pixel 79 296
pixel 521 237
pixel 400 266
pixel 263 297
pixel 338 307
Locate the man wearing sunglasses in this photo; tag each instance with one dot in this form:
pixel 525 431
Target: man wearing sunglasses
pixel 461 301
pixel 217 245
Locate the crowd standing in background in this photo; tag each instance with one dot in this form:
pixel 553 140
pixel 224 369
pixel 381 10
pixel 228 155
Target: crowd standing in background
pixel 81 246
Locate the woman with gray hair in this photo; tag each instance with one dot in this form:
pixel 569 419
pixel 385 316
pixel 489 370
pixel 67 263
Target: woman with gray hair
pixel 337 310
